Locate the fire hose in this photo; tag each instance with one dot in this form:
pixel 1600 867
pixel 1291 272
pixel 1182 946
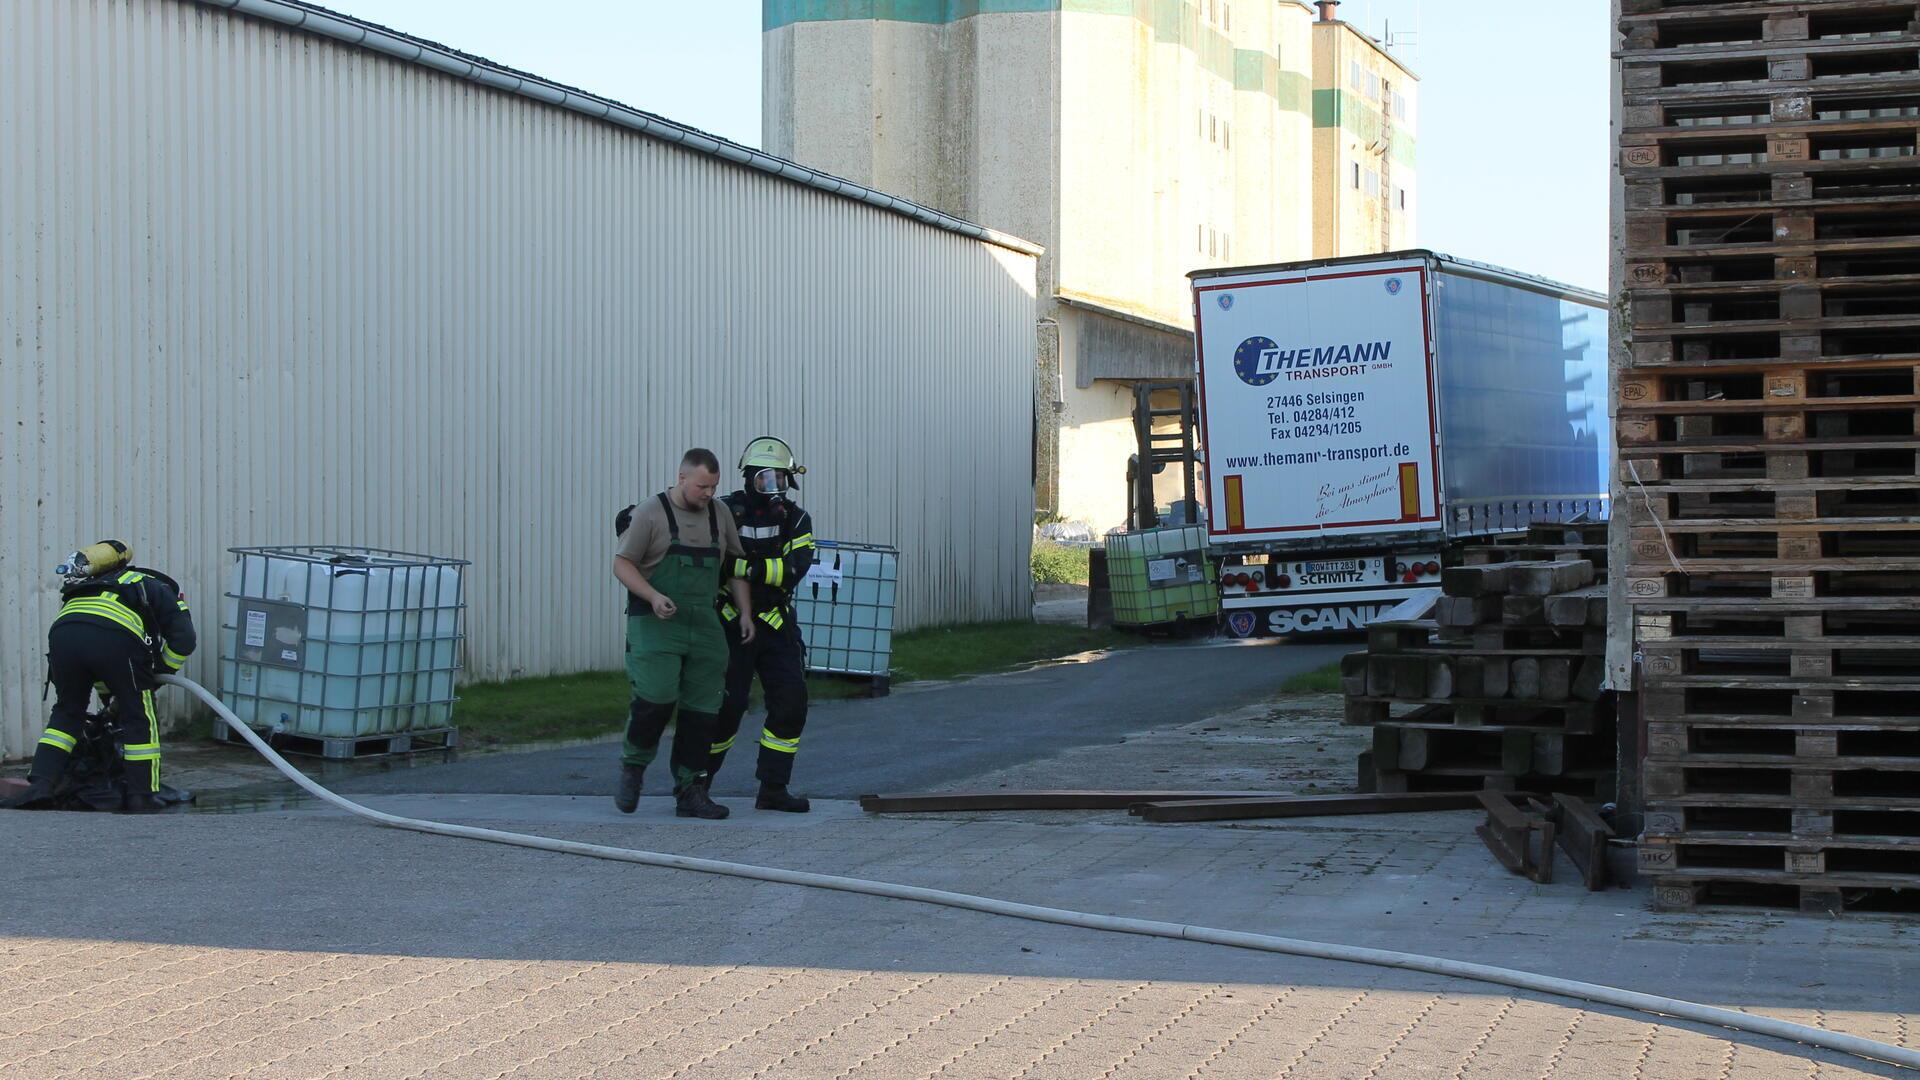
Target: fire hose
pixel 1652 1004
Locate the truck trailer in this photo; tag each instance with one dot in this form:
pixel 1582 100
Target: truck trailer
pixel 1360 417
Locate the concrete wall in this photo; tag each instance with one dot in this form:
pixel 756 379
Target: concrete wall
pixel 260 287
pixel 1135 142
pixel 1356 125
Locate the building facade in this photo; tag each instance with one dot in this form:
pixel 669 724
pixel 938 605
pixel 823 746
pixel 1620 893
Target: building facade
pixel 1134 140
pixel 1365 107
pixel 280 278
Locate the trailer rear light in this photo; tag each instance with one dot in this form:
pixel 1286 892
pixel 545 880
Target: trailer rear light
pixel 1410 577
pixel 1283 581
pixel 1259 575
pixel 1433 568
pixel 1400 569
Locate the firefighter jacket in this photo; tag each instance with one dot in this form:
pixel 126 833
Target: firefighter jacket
pixel 777 536
pixel 145 603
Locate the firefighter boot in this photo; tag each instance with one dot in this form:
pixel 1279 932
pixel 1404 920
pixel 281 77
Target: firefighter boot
pixel 628 797
pixel 777 797
pixel 143 802
pixel 692 801
pixel 49 763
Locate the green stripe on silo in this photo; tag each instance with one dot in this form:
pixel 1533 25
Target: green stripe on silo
pixel 1173 22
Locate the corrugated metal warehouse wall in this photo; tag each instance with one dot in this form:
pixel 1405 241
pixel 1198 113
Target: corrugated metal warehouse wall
pixel 260 287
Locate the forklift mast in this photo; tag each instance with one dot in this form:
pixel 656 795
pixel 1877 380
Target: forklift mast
pixel 1158 449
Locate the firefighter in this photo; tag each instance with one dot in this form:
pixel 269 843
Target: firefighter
pixel 118 626
pixel 778 537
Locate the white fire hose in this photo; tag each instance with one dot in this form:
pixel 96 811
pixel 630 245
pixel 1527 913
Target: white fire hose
pixel 1652 1004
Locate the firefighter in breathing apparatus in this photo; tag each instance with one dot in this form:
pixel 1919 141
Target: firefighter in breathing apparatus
pixel 778 537
pixel 118 626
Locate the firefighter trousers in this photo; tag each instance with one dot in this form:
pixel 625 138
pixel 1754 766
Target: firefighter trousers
pixel 778 656
pixel 80 654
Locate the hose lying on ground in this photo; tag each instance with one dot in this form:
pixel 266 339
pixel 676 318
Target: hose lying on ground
pixel 1605 995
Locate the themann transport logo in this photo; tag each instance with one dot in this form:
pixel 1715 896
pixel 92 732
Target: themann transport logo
pixel 1226 301
pixel 1260 360
pixel 1393 286
pixel 1253 361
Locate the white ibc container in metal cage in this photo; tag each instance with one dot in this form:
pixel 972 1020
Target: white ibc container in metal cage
pixel 341 642
pixel 845 606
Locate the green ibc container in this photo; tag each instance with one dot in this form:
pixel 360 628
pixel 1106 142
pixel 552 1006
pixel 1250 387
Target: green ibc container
pixel 1161 576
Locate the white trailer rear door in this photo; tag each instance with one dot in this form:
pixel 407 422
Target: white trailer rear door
pixel 1317 401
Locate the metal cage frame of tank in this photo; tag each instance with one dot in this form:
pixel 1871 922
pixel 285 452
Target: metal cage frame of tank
pixel 835 637
pixel 435 656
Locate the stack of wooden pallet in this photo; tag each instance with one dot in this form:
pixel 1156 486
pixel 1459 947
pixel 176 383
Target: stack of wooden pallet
pixel 1767 424
pixel 1501 689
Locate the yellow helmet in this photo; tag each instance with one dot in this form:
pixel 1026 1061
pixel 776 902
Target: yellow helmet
pixel 767 452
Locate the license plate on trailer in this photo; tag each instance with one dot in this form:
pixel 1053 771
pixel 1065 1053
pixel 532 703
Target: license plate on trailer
pixel 1340 572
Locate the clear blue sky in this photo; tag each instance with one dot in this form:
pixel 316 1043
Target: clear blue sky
pixel 1513 120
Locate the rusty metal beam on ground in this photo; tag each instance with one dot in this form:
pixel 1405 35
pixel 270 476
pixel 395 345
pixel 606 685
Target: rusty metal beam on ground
pixel 923 803
pixel 1287 806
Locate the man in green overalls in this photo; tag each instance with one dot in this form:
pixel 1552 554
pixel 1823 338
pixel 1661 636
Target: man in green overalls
pixel 678 548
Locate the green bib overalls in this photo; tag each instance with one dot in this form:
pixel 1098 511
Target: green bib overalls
pixel 682 660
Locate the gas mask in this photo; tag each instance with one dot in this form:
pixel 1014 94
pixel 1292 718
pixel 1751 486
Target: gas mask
pixel 769 484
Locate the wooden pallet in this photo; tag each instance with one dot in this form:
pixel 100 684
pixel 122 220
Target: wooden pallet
pixel 1665 405
pixel 1782 703
pixel 1450 675
pixel 1743 625
pixel 1671 25
pixel 1595 785
pixel 1740 663
pixel 1574 717
pixel 1678 741
pixel 1788 52
pixel 347 747
pixel 1813 586
pixel 1897 826
pixel 1489 751
pixel 1826 895
pixel 1875 783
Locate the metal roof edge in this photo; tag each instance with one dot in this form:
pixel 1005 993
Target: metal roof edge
pixel 1097 308
pixel 1439 260
pixel 297 15
pixel 1375 44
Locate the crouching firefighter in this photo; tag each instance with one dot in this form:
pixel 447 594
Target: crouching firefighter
pixel 118 626
pixel 778 537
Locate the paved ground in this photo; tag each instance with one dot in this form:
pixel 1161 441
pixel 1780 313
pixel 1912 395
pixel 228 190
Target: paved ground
pixel 930 735
pixel 1063 604
pixel 298 943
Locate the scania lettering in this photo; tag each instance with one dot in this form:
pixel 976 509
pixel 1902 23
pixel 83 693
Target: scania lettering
pixel 1284 621
pixel 1359 418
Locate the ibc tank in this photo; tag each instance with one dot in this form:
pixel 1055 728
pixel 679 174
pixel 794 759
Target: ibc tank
pixel 377 631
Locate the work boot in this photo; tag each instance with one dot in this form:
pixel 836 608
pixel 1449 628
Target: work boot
pixel 628 797
pixel 693 802
pixel 35 794
pixel 777 797
pixel 143 802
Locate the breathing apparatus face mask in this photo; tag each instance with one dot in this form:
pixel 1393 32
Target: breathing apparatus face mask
pixel 770 483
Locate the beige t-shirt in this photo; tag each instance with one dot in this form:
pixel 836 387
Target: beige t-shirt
pixel 646 540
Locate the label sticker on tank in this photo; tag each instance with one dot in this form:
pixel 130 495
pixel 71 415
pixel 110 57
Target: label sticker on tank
pixel 256 629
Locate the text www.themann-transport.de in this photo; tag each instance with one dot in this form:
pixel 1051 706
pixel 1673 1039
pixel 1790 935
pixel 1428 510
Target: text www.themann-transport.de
pixel 1316 457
